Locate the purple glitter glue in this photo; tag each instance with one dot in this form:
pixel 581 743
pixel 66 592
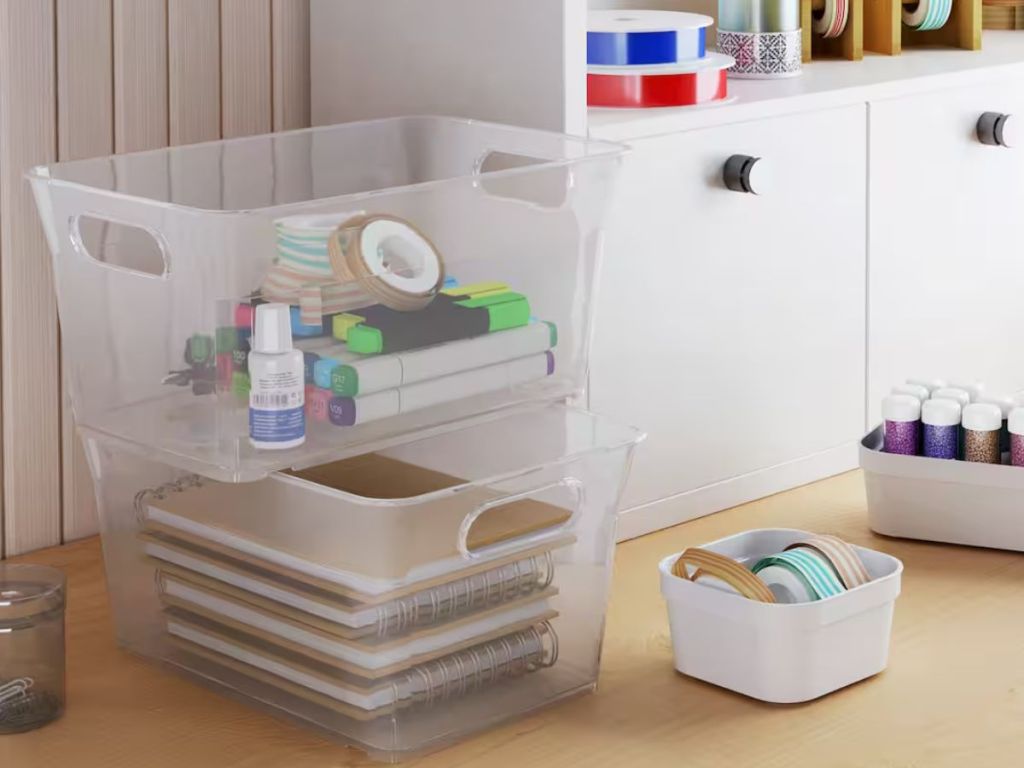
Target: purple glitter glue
pixel 1016 426
pixel 940 420
pixel 902 414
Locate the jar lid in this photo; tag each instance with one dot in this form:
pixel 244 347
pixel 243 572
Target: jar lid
pixel 962 396
pixel 1004 404
pixel 940 412
pixel 27 591
pixel 982 417
pixel 901 408
pixel 1016 424
pixel 929 384
pixel 973 387
pixel 922 393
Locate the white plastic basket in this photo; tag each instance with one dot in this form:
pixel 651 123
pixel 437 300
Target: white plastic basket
pixel 780 653
pixel 957 502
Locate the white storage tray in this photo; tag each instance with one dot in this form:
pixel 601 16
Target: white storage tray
pixel 781 653
pixel 957 502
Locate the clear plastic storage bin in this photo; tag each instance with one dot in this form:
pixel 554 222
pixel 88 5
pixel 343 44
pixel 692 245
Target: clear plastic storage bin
pixel 435 557
pixel 382 647
pixel 158 256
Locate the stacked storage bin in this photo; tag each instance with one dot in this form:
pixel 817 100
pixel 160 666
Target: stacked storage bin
pixel 397 583
pixel 652 59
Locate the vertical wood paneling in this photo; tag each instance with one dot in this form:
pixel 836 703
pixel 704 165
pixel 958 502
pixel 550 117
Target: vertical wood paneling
pixel 245 67
pixel 85 128
pixel 140 74
pixel 290 56
pixel 80 78
pixel 31 370
pixel 193 49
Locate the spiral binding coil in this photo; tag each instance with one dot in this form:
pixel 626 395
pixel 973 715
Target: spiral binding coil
pixel 457 598
pixel 470 670
pixel 162 492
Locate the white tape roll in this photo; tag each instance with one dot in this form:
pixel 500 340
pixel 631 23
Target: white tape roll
pixel 785 585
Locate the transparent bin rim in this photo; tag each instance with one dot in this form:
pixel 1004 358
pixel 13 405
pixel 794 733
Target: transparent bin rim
pixel 606 436
pixel 82 174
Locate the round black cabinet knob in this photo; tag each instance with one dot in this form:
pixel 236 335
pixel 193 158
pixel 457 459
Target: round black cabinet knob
pixel 997 129
pixel 743 173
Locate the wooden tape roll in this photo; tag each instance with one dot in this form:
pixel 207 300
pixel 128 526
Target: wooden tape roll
pixel 361 250
pixel 723 568
pixel 841 556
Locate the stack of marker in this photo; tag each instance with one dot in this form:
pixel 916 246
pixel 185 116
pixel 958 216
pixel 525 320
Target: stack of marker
pixel 765 37
pixel 652 59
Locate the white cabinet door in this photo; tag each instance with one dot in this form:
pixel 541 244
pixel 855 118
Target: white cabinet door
pixel 730 326
pixel 946 279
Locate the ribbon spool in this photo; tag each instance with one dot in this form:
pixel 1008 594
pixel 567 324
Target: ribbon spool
pixel 679 85
pixel 830 21
pixel 841 556
pixel 810 567
pixel 389 259
pixel 708 563
pixel 623 38
pixel 927 14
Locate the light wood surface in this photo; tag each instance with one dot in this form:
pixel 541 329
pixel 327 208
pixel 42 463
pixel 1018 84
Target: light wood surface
pixel 951 697
pixel 291 63
pixel 193 49
pixel 31 367
pixel 85 128
pixel 140 74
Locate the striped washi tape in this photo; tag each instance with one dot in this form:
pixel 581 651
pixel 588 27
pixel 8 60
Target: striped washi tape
pixel 676 85
pixel 929 14
pixel 624 38
pixel 724 569
pixel 831 21
pixel 821 580
pixel 841 556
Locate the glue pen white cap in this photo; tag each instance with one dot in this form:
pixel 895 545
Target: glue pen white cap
pixel 982 417
pixel 1004 404
pixel 915 390
pixel 952 393
pixel 901 408
pixel 940 412
pixel 1017 421
pixel 272 332
pixel 974 388
pixel 930 384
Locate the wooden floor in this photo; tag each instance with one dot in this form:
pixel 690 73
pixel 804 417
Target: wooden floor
pixel 953 695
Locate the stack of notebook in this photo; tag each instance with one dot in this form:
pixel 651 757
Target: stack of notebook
pixel 362 642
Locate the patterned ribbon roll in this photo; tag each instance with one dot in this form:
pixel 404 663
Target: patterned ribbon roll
pixel 831 21
pixel 724 569
pixel 929 14
pixel 622 38
pixel 762 55
pixel 663 86
pixel 811 567
pixel 841 556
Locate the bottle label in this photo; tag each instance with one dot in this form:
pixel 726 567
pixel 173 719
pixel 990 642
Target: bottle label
pixel 276 412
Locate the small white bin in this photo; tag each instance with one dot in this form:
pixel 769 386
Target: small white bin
pixel 780 653
pixel 957 502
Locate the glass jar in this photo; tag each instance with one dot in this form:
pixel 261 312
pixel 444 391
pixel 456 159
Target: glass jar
pixel 32 599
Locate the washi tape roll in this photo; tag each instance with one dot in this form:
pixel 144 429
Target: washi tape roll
pixel 762 55
pixel 677 85
pixel 623 38
pixel 808 565
pixel 841 556
pixel 759 15
pixel 831 20
pixel 927 14
pixel 723 569
pixel 786 585
pixel 388 258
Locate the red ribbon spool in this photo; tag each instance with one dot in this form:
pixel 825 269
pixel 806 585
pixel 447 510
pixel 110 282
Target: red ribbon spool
pixel 648 88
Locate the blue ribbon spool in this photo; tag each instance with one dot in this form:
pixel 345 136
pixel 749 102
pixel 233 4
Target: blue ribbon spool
pixel 617 38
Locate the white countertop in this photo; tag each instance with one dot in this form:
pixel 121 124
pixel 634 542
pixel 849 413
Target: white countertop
pixel 823 84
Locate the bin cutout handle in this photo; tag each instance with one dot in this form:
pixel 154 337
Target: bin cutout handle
pixel 113 244
pixel 511 523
